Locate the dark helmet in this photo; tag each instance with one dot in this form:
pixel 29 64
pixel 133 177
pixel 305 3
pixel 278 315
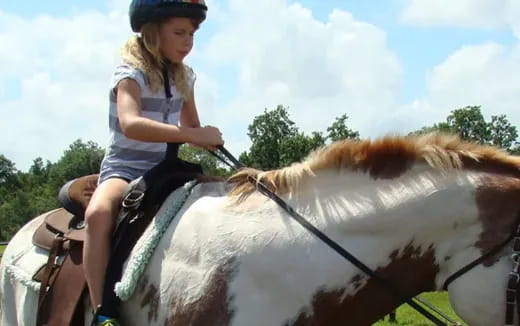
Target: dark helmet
pixel 146 11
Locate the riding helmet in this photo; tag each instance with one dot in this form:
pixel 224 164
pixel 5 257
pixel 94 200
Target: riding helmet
pixel 146 11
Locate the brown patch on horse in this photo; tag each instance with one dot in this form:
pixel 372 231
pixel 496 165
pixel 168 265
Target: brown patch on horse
pixel 411 271
pixel 387 157
pixel 143 283
pixel 499 210
pixel 151 299
pixel 213 308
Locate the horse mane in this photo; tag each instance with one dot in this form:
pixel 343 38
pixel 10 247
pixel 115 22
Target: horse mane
pixel 380 157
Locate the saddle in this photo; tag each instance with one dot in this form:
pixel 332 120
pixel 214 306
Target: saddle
pixel 69 220
pixel 62 233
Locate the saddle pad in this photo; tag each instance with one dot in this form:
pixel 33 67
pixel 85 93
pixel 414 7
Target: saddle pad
pixel 147 243
pixel 23 267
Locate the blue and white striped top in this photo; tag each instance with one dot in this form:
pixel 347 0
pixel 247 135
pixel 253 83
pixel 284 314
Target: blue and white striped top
pixel 128 158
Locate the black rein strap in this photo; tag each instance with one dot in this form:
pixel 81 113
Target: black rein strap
pixel 331 243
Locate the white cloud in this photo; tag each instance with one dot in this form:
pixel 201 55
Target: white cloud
pixel 481 74
pixel 63 66
pixel 319 69
pixel 484 75
pixel 464 13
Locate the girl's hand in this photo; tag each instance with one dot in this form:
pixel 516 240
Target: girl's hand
pixel 208 137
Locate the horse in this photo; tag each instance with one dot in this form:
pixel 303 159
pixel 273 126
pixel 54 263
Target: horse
pixel 415 209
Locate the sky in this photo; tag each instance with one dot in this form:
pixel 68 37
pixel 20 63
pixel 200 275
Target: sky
pixel 392 66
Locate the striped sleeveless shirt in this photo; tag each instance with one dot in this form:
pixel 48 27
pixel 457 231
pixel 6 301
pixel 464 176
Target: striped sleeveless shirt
pixel 128 158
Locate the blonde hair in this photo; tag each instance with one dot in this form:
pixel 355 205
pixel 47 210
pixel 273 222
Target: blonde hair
pixel 143 52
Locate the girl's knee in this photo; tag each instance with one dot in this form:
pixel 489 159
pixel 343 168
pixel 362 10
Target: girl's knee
pixel 98 218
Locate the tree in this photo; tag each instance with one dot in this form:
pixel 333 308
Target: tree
pixel 8 178
pixel 7 170
pixel 267 132
pixel 277 142
pixel 210 164
pixel 502 133
pixel 442 127
pixel 339 130
pixel 39 172
pixel 78 160
pixel 298 146
pixel 35 192
pixel 469 124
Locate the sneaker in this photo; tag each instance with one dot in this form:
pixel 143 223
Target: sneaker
pixel 108 322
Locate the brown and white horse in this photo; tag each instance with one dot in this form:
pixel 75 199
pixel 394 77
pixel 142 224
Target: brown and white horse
pixel 414 209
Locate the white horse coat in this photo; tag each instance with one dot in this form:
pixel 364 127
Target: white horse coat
pixel 223 262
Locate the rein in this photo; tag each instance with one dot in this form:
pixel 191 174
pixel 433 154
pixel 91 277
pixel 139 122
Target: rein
pixel 332 244
pixel 513 284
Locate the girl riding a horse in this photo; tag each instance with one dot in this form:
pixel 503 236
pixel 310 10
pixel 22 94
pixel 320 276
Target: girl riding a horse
pixel 145 113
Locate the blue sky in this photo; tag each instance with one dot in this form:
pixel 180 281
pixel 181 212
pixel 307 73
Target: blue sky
pixel 405 65
pixel 418 48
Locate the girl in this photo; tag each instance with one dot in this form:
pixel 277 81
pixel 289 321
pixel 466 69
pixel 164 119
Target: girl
pixel 144 114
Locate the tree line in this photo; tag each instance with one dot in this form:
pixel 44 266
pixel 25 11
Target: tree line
pixel 276 141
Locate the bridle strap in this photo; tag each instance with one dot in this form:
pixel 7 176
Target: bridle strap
pixel 343 252
pixel 334 245
pixel 513 285
pixel 513 280
pixel 476 262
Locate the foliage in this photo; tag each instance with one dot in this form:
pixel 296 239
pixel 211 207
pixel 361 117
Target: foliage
pixel 268 132
pixel 469 124
pixel 78 160
pixel 8 179
pixel 339 130
pixel 277 142
pixel 296 147
pixel 210 164
pixel 29 194
pixel 501 132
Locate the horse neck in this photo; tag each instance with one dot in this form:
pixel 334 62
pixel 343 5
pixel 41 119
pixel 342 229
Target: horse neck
pixel 416 229
pixel 394 226
pixel 412 219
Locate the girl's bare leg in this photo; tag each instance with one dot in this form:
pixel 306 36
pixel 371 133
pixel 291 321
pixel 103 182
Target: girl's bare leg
pixel 100 217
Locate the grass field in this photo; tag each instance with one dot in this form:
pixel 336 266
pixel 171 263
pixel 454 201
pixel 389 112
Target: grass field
pixel 1 251
pixel 408 316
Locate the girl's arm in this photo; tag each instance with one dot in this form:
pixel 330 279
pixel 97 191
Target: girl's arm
pixel 134 126
pixel 189 115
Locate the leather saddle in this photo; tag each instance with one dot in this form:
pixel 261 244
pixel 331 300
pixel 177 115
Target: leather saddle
pixel 62 233
pixel 68 221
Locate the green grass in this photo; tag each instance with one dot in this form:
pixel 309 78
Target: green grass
pixel 2 248
pixel 408 316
